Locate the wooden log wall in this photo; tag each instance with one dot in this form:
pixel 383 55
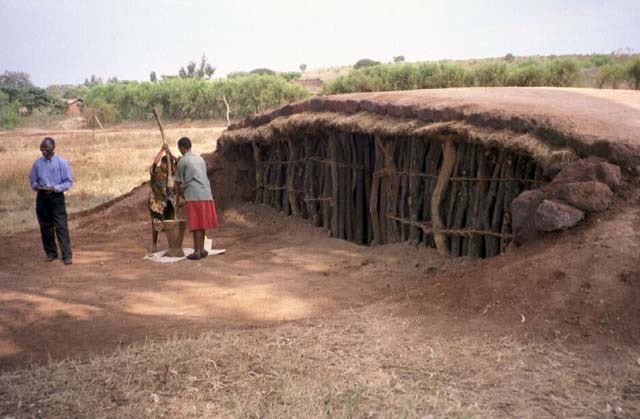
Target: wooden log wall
pixel 439 192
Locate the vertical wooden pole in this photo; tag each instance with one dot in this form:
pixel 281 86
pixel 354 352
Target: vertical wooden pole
pixel 393 182
pixel 326 188
pixel 334 183
pixel 348 185
pixel 448 163
pixel 432 167
pixel 368 178
pixel 291 173
pixel 360 218
pixel 259 169
pixel 375 192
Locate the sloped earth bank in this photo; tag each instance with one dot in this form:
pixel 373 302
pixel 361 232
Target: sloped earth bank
pixel 304 325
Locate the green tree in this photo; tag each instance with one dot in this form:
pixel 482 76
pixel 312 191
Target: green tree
pixel 509 58
pixel 600 60
pixel 66 91
pixel 611 74
pixel 263 71
pixel 209 70
pixel 101 109
pixel 365 62
pixel 527 73
pixel 303 67
pixel 490 74
pixel 18 79
pixel 633 72
pixel 563 72
pixel 191 69
pixel 153 77
pixel 398 59
pixel 9 111
pixel 93 81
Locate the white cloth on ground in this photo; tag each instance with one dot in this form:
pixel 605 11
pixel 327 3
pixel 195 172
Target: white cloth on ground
pixel 159 256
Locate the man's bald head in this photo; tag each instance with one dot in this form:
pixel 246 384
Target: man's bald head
pixel 50 141
pixel 47 146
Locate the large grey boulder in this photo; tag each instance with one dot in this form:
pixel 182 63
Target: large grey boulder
pixel 588 196
pixel 591 169
pixel 553 215
pixel 523 210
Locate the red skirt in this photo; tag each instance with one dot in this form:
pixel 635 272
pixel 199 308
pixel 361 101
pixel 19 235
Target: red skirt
pixel 201 215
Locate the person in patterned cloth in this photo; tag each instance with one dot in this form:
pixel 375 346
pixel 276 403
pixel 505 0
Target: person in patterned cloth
pixel 160 206
pixel 193 184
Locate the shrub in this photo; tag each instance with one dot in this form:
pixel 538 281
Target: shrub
pixel 509 58
pixel 633 72
pixel 197 98
pixel 526 74
pixel 66 91
pixel 400 77
pixel 600 60
pixel 290 75
pixel 404 76
pixel 100 108
pixel 490 74
pixel 9 112
pixel 235 74
pixel 563 72
pixel 611 74
pixel 31 97
pixel 365 62
pixel 263 71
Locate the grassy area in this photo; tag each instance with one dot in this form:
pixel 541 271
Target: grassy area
pixel 365 364
pixel 566 71
pixel 103 167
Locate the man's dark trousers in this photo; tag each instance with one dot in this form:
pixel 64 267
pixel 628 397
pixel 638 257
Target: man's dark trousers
pixel 52 217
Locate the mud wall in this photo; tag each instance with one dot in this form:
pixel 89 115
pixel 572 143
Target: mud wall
pixel 440 191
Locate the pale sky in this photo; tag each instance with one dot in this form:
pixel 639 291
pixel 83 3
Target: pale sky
pixel 63 41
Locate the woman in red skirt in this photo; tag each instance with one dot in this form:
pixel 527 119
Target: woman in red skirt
pixel 193 184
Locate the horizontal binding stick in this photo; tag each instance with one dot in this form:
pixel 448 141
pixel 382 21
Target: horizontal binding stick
pixel 426 227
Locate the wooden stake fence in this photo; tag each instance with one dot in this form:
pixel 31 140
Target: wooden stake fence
pixel 440 192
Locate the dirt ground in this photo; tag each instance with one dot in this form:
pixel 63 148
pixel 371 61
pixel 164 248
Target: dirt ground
pixel 111 296
pixel 564 311
pixel 281 269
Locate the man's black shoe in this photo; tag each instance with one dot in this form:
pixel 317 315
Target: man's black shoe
pixel 51 258
pixel 68 261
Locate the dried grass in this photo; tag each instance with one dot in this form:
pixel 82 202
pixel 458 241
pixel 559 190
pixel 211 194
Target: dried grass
pixel 371 123
pixel 365 364
pixel 100 172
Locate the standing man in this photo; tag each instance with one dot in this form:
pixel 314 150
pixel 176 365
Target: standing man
pixel 50 177
pixel 193 184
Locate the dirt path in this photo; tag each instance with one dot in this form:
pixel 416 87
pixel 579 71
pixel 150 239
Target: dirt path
pixel 111 297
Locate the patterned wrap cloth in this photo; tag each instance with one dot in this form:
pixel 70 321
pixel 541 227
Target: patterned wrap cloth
pixel 160 208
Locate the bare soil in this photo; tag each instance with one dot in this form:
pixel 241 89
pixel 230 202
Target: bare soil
pixel 546 330
pixel 582 284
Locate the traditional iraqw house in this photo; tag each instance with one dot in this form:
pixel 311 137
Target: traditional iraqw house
pixel 463 170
